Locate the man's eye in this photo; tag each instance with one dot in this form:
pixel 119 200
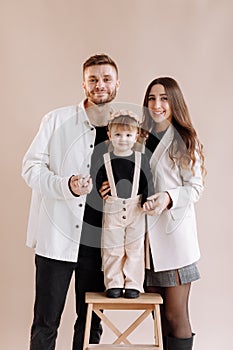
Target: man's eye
pixel 151 98
pixel 107 79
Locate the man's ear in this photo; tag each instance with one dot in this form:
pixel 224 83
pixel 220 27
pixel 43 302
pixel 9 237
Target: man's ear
pixel 109 135
pixel 118 83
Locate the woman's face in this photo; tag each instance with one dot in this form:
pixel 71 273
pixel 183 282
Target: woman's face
pixel 159 107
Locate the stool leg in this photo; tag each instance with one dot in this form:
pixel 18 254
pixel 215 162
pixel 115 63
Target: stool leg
pixel 88 326
pixel 158 328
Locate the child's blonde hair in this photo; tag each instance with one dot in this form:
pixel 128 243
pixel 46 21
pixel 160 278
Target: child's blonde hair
pixel 124 120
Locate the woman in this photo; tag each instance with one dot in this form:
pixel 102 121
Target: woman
pixel 177 164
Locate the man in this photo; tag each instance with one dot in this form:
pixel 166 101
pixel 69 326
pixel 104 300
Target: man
pixel 64 227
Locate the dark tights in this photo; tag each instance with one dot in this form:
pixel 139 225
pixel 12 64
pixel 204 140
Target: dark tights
pixel 174 311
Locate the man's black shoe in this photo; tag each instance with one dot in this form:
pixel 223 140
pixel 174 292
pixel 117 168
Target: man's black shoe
pixel 132 293
pixel 114 292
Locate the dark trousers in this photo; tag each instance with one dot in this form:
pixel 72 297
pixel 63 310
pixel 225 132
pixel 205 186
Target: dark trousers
pixel 52 282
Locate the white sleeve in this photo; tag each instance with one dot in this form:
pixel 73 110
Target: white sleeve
pixel 192 187
pixel 36 165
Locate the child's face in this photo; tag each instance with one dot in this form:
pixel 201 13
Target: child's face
pixel 122 139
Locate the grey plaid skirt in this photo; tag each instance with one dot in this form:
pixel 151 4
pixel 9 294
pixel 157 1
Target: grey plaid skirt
pixel 186 274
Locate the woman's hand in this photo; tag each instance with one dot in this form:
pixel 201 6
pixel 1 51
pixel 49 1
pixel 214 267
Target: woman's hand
pixel 157 203
pixel 104 190
pixel 81 184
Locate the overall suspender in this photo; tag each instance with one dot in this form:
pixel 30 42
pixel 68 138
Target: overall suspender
pixel 136 177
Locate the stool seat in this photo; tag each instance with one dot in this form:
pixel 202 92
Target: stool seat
pixel 147 301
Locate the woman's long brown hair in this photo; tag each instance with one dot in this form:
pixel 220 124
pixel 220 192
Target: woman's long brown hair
pixel 185 142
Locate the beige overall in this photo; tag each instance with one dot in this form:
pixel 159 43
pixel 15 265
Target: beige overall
pixel 123 234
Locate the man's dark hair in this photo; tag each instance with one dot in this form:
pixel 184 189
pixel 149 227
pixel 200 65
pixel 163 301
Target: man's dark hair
pixel 99 59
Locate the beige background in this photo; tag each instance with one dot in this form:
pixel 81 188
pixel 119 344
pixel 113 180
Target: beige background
pixel 43 45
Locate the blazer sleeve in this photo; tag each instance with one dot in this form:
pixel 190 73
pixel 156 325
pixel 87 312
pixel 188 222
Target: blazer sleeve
pixel 36 162
pixel 192 186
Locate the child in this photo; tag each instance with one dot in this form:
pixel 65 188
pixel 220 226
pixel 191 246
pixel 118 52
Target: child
pixel 130 183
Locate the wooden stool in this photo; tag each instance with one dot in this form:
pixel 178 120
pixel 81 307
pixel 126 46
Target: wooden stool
pixel 147 301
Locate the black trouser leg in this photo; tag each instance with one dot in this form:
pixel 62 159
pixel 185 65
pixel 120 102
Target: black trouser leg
pixel 52 283
pixel 88 278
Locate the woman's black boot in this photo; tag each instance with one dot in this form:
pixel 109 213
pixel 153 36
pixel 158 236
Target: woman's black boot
pixel 180 343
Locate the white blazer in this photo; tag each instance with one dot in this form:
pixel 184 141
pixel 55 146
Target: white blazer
pixel 62 147
pixel 173 234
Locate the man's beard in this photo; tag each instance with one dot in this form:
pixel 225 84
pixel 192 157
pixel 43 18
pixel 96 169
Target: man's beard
pixel 103 100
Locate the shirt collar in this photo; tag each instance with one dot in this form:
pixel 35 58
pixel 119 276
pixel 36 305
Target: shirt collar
pixel 81 115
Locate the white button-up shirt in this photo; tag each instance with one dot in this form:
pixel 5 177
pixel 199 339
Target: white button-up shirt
pixel 62 147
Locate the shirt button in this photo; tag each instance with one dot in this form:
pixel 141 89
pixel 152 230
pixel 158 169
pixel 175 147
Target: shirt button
pixel 124 217
pixel 124 202
pixel 124 209
pixel 77 226
pixel 80 205
pixel 88 165
pixel 92 128
pixel 91 146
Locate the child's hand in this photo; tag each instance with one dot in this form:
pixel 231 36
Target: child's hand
pixel 104 190
pixel 148 207
pixel 81 184
pixel 83 180
pixel 157 203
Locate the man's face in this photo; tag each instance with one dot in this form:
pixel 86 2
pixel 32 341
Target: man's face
pixel 100 83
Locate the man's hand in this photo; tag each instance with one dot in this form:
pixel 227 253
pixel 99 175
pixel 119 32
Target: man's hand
pixel 81 184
